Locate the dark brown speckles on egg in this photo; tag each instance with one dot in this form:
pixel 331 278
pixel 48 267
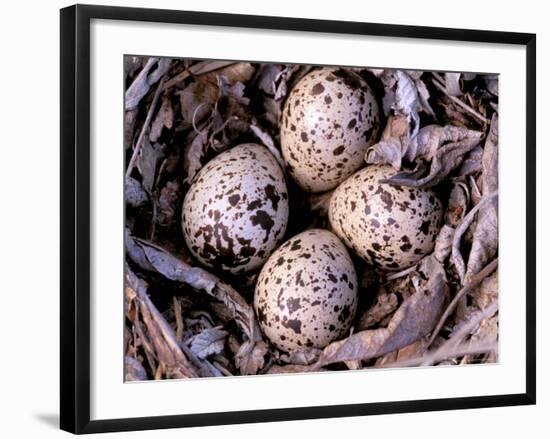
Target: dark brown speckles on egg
pixel 389 227
pixel 332 119
pixel 236 225
pixel 312 301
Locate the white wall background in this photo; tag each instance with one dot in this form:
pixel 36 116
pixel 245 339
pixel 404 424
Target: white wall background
pixel 29 220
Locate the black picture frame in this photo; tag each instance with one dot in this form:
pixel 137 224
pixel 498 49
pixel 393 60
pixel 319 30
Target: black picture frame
pixel 75 217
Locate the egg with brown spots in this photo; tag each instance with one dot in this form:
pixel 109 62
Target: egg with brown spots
pixel 390 227
pixel 306 293
pixel 329 120
pixel 236 210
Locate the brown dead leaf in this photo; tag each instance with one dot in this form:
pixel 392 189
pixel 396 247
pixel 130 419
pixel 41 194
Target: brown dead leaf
pixel 235 73
pixel 163 119
pixel 133 370
pixel 452 84
pixel 444 147
pixel 134 194
pixel 485 240
pixel 303 356
pixel 385 304
pixel 169 196
pixel 444 243
pixel 197 101
pixel 154 258
pixel 487 292
pixel 153 70
pixel 251 357
pixel 160 339
pixel 194 154
pixel 414 319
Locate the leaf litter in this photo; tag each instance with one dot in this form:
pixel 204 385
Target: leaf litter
pixel 183 321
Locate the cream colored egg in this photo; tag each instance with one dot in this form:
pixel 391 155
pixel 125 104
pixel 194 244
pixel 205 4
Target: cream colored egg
pixel 236 210
pixel 390 227
pixel 329 120
pixel 306 294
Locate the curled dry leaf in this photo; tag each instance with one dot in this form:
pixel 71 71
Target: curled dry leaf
pixel 392 145
pixel 452 84
pixel 401 97
pixel 485 240
pixel 144 80
pixel 458 204
pixel 472 162
pixel 444 146
pixel 456 256
pixel 444 243
pixel 414 319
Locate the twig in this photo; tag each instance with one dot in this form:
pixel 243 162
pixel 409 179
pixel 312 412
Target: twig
pixel 179 320
pixel 399 274
pixel 461 104
pixel 222 369
pixel 139 141
pixel 197 69
pixel 441 355
pixel 476 280
pixel 466 328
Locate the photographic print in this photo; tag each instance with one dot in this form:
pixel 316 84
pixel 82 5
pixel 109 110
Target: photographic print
pixel 292 218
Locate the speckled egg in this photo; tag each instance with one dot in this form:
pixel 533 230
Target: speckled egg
pixel 306 294
pixel 390 227
pixel 236 210
pixel 329 120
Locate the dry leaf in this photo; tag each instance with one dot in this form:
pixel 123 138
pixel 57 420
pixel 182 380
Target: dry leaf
pixel 444 243
pixel 197 101
pixel 250 358
pixel 485 240
pixel 143 81
pixel 211 341
pixel 161 339
pixel 133 370
pixel 443 146
pixel 487 292
pixel 163 119
pixel 169 196
pixel 152 257
pixel 134 194
pixel 458 204
pixel 194 154
pixel 452 84
pixel 414 319
pixel 456 256
pixel 268 142
pixel 385 304
pixel 303 356
pixel 149 157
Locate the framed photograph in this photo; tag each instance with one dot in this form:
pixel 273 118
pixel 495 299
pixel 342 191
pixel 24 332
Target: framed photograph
pixel 268 219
